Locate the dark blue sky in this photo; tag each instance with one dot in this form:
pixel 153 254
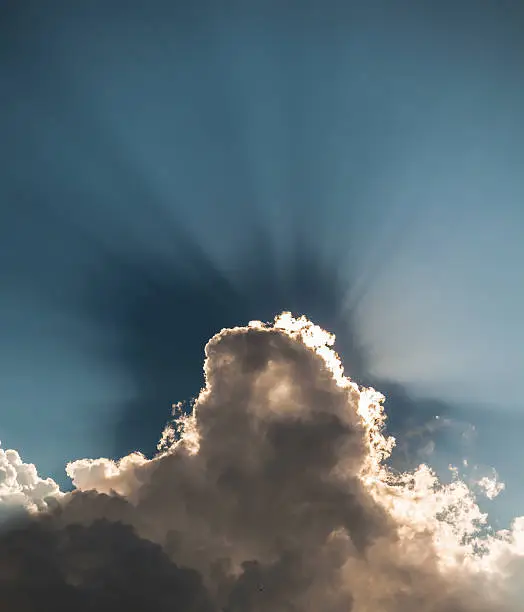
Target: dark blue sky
pixel 170 168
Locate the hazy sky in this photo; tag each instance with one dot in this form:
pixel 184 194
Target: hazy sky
pixel 167 171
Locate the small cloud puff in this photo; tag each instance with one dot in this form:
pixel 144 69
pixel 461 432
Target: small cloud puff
pixel 21 487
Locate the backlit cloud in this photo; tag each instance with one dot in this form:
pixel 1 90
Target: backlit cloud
pixel 274 494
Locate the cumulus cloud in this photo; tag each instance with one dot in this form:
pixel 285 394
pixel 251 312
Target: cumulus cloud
pixel 21 488
pixel 274 494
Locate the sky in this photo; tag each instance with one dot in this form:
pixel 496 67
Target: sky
pixel 170 169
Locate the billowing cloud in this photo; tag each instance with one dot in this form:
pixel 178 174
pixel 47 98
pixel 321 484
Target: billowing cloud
pixel 274 495
pixel 21 488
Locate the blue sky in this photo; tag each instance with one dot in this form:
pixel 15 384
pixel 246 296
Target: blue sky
pixel 170 170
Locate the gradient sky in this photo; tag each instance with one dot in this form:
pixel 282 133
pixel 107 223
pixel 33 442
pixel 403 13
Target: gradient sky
pixel 170 168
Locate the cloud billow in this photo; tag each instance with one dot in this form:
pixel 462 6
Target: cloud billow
pixel 274 496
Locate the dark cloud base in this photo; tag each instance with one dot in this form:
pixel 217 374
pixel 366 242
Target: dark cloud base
pixel 104 566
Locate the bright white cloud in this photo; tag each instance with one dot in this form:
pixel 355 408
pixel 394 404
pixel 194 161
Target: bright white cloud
pixel 20 485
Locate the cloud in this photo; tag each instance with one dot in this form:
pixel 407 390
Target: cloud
pixel 103 566
pixel 275 495
pixel 491 486
pixel 21 488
